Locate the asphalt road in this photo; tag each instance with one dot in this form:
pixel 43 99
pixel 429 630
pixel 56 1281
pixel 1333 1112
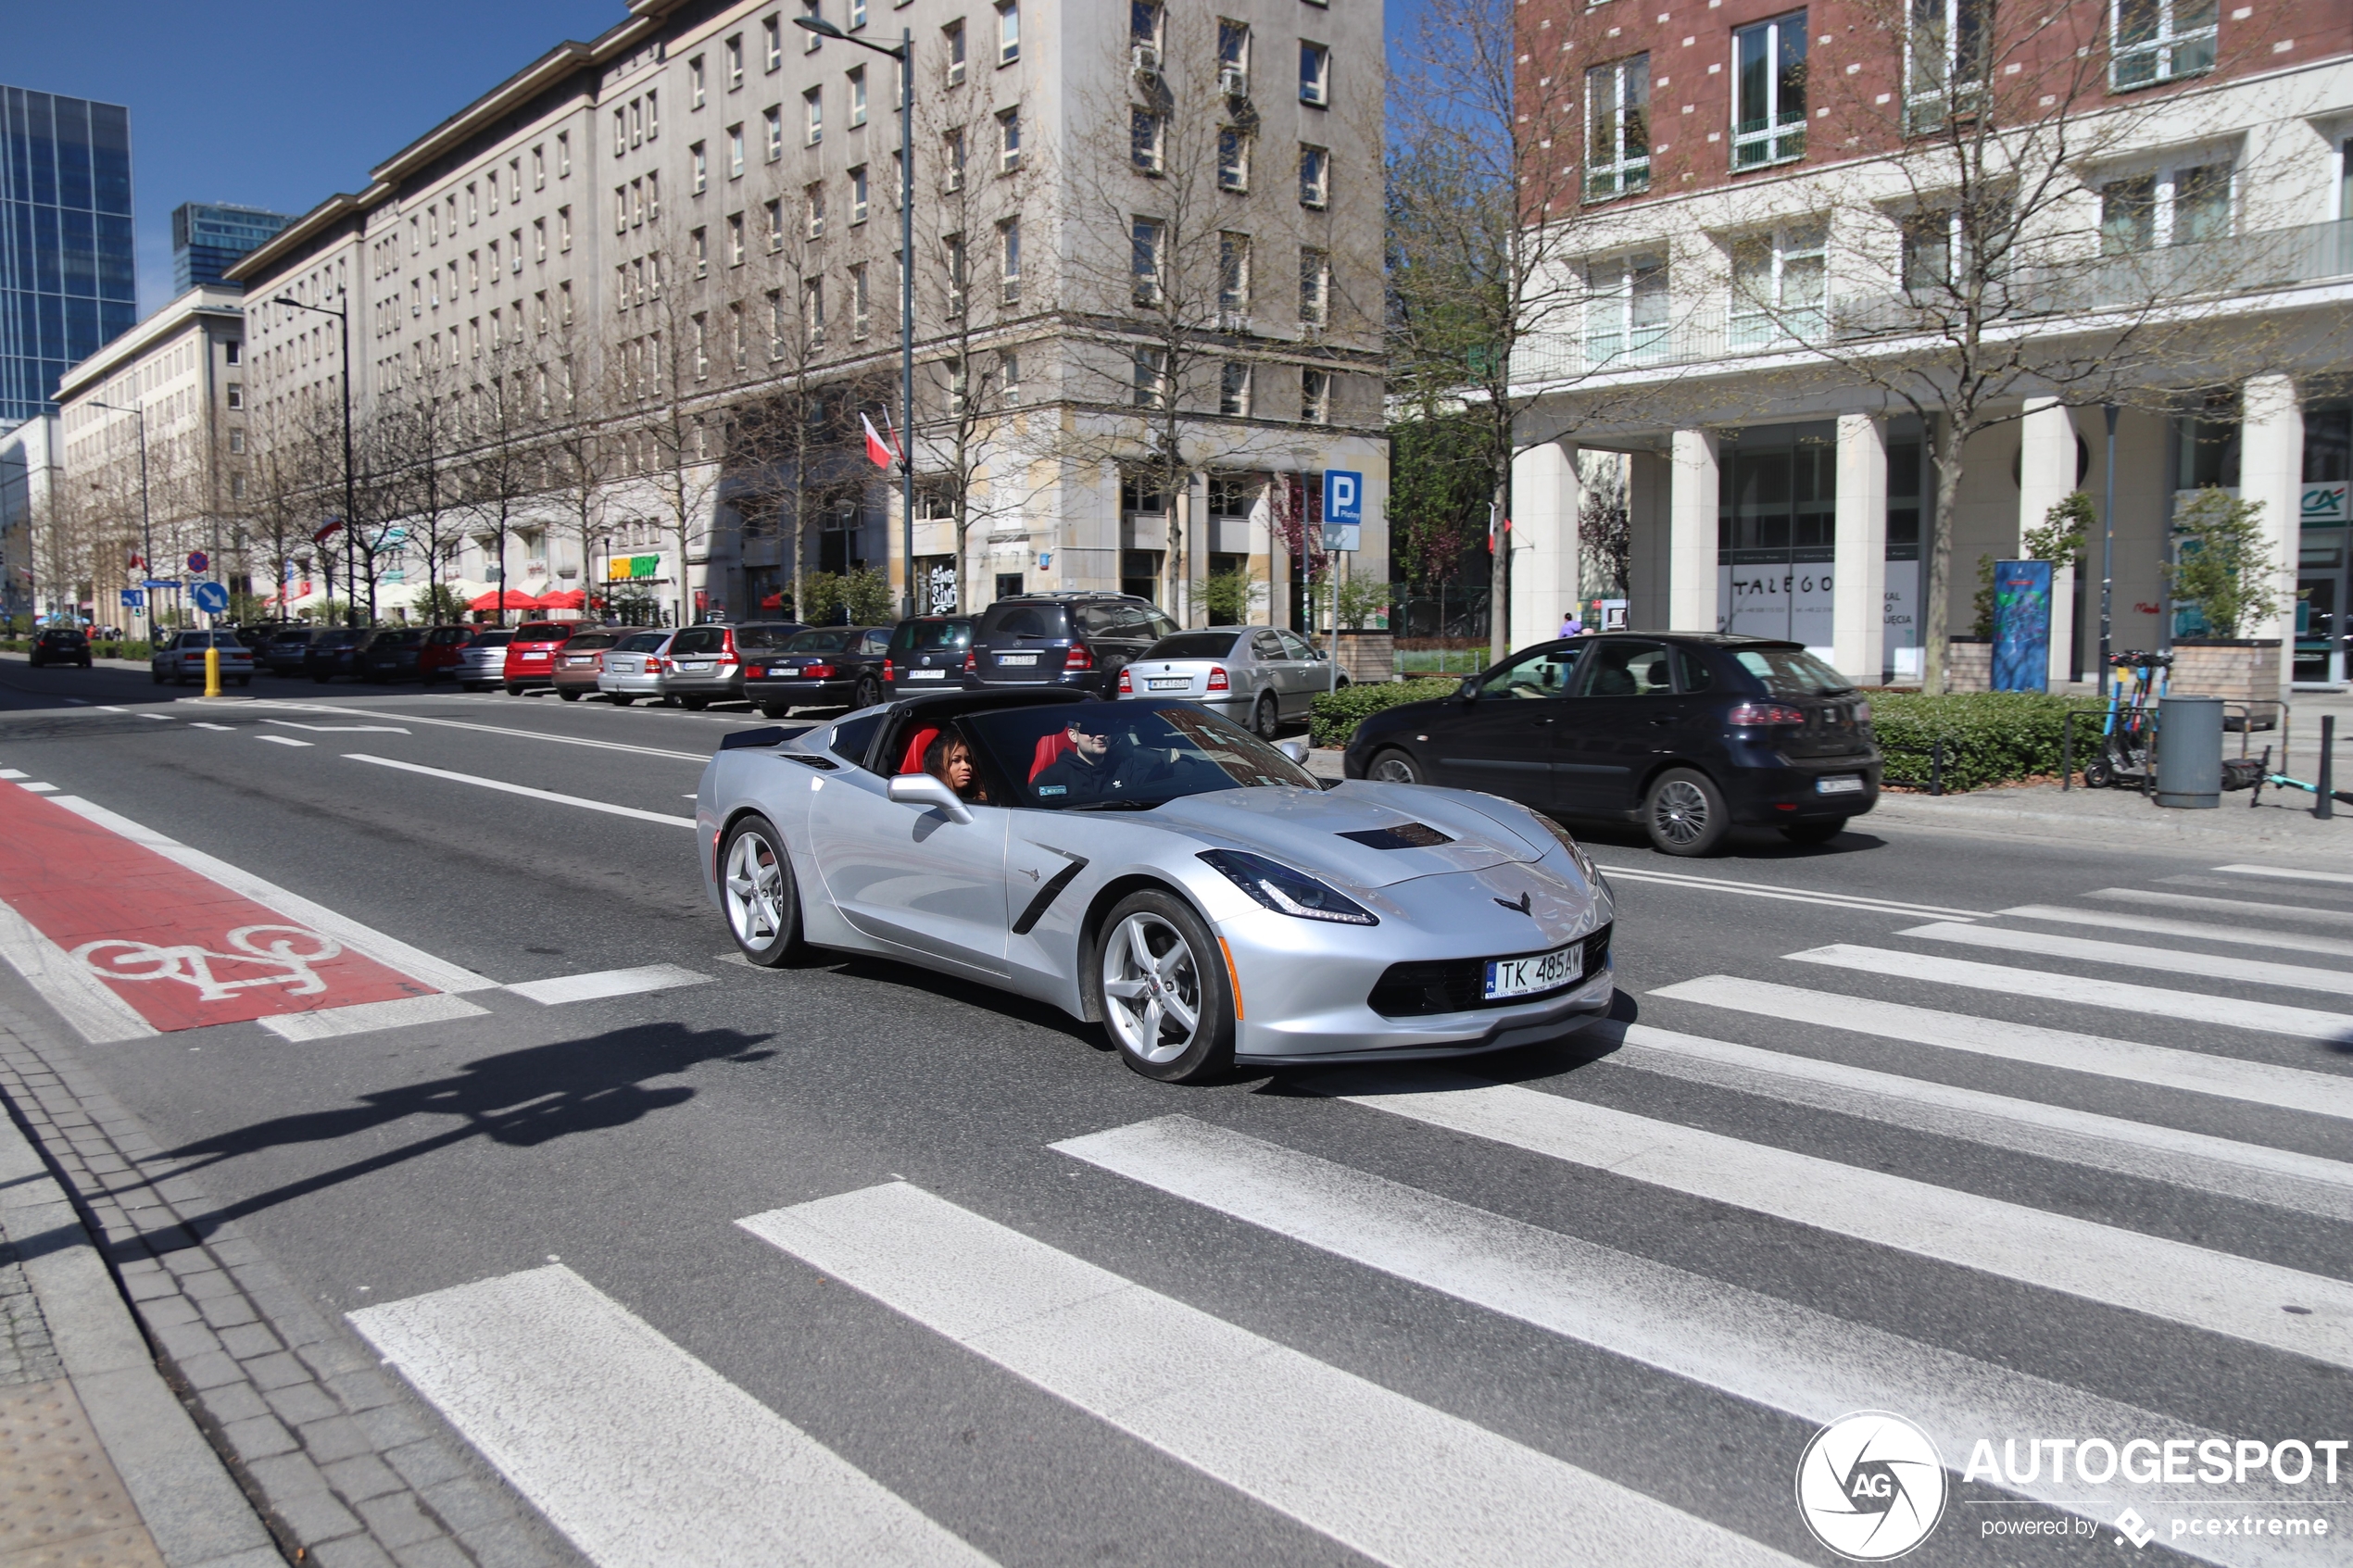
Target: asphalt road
pixel 1884 1149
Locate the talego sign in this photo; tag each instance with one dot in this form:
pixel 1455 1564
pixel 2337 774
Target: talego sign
pixel 1343 508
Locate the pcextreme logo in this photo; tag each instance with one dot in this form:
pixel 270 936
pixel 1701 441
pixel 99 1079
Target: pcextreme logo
pixel 1870 1485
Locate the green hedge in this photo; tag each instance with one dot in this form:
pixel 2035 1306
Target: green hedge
pixel 1990 737
pixel 1338 713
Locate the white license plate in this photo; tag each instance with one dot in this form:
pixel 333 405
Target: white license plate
pixel 1177 684
pixel 580 661
pixel 696 668
pixel 1842 783
pixel 926 674
pixel 1016 658
pixel 1518 977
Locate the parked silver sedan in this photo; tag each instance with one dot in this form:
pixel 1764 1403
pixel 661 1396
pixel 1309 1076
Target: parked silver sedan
pixel 1254 676
pixel 482 663
pixel 180 660
pixel 632 667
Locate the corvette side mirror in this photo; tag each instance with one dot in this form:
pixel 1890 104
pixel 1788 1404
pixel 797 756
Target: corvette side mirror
pixel 921 789
pixel 1294 749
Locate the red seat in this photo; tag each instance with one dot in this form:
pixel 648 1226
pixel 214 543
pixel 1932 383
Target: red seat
pixel 1049 747
pixel 917 744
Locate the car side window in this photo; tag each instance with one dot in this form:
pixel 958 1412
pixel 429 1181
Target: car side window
pixel 1266 645
pixel 877 641
pixel 1621 668
pixel 854 739
pixel 1545 674
pixel 1691 672
pixel 697 639
pixel 1295 645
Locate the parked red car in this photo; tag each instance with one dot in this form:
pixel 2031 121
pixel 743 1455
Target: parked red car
pixel 531 657
pixel 444 646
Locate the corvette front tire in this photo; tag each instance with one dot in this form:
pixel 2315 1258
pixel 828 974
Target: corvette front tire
pixel 756 890
pixel 1167 1005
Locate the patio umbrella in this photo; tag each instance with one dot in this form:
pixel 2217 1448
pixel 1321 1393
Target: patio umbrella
pixel 563 598
pixel 513 601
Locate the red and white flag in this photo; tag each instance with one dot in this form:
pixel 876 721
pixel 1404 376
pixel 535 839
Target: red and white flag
pixel 334 526
pixel 878 451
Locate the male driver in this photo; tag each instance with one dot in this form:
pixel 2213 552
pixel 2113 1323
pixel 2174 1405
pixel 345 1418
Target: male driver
pixel 1085 769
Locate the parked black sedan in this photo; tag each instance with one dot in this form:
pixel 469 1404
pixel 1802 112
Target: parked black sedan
pixel 823 667
pixel 287 652
pixel 59 644
pixel 1686 734
pixel 337 650
pixel 394 654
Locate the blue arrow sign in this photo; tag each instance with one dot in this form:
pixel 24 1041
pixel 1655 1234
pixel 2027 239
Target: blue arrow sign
pixel 211 598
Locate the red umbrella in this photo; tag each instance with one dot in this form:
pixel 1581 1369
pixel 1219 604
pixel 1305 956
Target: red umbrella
pixel 513 601
pixel 563 598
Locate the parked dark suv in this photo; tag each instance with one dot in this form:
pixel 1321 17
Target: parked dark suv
pixel 1685 733
pixel 59 644
pixel 1080 640
pixel 927 654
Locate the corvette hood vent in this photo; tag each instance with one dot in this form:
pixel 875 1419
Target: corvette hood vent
pixel 1405 835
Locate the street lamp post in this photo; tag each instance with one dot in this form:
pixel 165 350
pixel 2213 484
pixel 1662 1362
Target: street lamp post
pixel 2107 547
pixel 147 524
pixel 350 519
pixel 905 55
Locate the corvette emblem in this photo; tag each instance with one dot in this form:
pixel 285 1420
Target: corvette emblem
pixel 1526 904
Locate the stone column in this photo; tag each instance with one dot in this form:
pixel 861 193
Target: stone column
pixel 2272 472
pixel 1646 488
pixel 1690 528
pixel 1546 499
pixel 2045 476
pixel 1858 596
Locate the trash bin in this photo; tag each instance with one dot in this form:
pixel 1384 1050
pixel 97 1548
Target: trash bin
pixel 2189 752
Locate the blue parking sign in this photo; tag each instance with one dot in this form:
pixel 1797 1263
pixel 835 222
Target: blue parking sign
pixel 1343 508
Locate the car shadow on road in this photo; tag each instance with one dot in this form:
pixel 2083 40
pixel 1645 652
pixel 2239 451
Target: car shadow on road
pixel 522 1097
pixel 1576 1047
pixel 1761 845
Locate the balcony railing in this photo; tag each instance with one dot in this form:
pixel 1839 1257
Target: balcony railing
pixel 2153 280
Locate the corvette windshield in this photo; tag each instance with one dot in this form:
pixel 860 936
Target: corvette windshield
pixel 1125 755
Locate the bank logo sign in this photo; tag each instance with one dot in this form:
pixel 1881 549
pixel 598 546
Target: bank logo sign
pixel 1870 1485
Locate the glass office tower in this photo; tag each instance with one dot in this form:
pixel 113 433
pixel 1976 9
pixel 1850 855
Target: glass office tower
pixel 208 236
pixel 67 279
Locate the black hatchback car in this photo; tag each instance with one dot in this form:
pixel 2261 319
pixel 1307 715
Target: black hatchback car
pixel 820 667
pixel 1686 734
pixel 395 653
pixel 287 652
pixel 336 651
pixel 927 654
pixel 59 644
pixel 1079 640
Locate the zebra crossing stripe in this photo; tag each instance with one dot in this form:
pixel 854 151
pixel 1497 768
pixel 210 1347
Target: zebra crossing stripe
pixel 2281 1177
pixel 2199 930
pixel 2288 1088
pixel 2297 873
pixel 1389 1477
pixel 641 1454
pixel 2242 1297
pixel 2189 1007
pixel 2222 905
pixel 2134 954
pixel 1750 1346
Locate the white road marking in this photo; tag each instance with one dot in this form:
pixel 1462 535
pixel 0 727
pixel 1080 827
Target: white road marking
pixel 697 757
pixel 282 740
pixel 2289 1088
pixel 1394 1479
pixel 504 788
pixel 39 788
pixel 2287 871
pixel 165 717
pixel 342 728
pixel 2215 1291
pixel 14 773
pixel 2197 930
pixel 2189 1006
pixel 607 983
pixel 1751 1346
pixel 96 1012
pixel 366 1018
pixel 200 724
pixel 2256 1171
pixel 390 951
pixel 2225 906
pixel 108 708
pixel 640 1453
pixel 2134 954
pixel 1794 894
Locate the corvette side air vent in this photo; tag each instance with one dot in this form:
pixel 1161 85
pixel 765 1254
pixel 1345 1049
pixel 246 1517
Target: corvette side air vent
pixel 767 736
pixel 1405 836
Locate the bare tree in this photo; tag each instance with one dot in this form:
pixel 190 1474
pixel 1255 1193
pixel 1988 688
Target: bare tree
pixel 577 459
pixel 504 468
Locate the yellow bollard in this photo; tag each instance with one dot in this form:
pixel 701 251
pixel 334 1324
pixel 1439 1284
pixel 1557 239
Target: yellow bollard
pixel 211 671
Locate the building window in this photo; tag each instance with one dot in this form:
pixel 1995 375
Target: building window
pixel 1315 74
pixel 2197 205
pixel 858 194
pixel 473 213
pixel 1930 241
pixel 954 36
pixel 857 14
pixel 1233 158
pixel 235 395
pixel 1314 176
pixel 1233 58
pixel 813 112
pixel 1233 277
pixel 952 168
pixel 236 440
pixel 1625 309
pixel 1146 24
pixel 957 273
pixel 538 239
pixel 1314 287
pixel 1946 60
pixel 1008 260
pixel 1008 378
pixel 1618 129
pixel 735 239
pixel 564 155
pixel 735 52
pixel 2161 40
pixel 857 97
pixel 1145 236
pixel 1315 397
pixel 1009 140
pixel 563 298
pixel 1769 92
pixel 702 347
pixel 700 162
pixel 1152 378
pixel 563 228
pixel 1144 140
pixel 1778 281
pixel 1233 389
pixel 2128 216
pixel 813 296
pixel 771 38
pixel 2175 207
pixel 1008 31
pixel 813 199
pixel 862 318
pixel 774 213
pixel 653 194
pixel 735 152
pixel 695 92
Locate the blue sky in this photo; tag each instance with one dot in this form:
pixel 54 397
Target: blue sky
pixel 277 105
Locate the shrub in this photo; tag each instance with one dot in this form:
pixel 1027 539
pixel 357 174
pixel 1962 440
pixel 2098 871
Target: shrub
pixel 1990 737
pixel 1338 713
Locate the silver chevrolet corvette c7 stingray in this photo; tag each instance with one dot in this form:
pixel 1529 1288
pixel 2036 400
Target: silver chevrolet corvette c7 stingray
pixel 1158 869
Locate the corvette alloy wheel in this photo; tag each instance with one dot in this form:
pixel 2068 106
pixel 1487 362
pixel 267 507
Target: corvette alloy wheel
pixel 1151 989
pixel 755 887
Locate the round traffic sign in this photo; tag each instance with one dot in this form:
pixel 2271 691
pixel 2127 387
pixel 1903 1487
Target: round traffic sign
pixel 199 560
pixel 211 598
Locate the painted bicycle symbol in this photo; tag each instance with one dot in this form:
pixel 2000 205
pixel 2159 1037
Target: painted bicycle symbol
pixel 289 949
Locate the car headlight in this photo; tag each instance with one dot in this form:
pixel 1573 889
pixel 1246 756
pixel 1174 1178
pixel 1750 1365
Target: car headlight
pixel 1576 851
pixel 1286 891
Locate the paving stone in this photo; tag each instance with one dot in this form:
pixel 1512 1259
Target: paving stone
pixel 392 1425
pixel 259 1437
pixel 208 1284
pixel 234 1401
pixel 248 1340
pixel 362 1390
pixel 276 1371
pixel 513 1543
pixel 315 1516
pixel 336 1437
pixel 184 1341
pixel 332 1358
pixel 145 1280
pixel 465 1502
pixel 426 1463
pixel 230 1312
pixel 352 1551
pixel 362 1476
pixel 301 1403
pixel 287 1475
pixel 396 1519
pixel 438 1552
pixel 211 1371
pixel 167 1310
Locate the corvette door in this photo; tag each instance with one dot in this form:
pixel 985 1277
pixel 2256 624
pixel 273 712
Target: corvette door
pixel 909 876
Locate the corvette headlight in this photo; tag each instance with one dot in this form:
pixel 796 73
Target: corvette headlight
pixel 1576 851
pixel 1286 891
